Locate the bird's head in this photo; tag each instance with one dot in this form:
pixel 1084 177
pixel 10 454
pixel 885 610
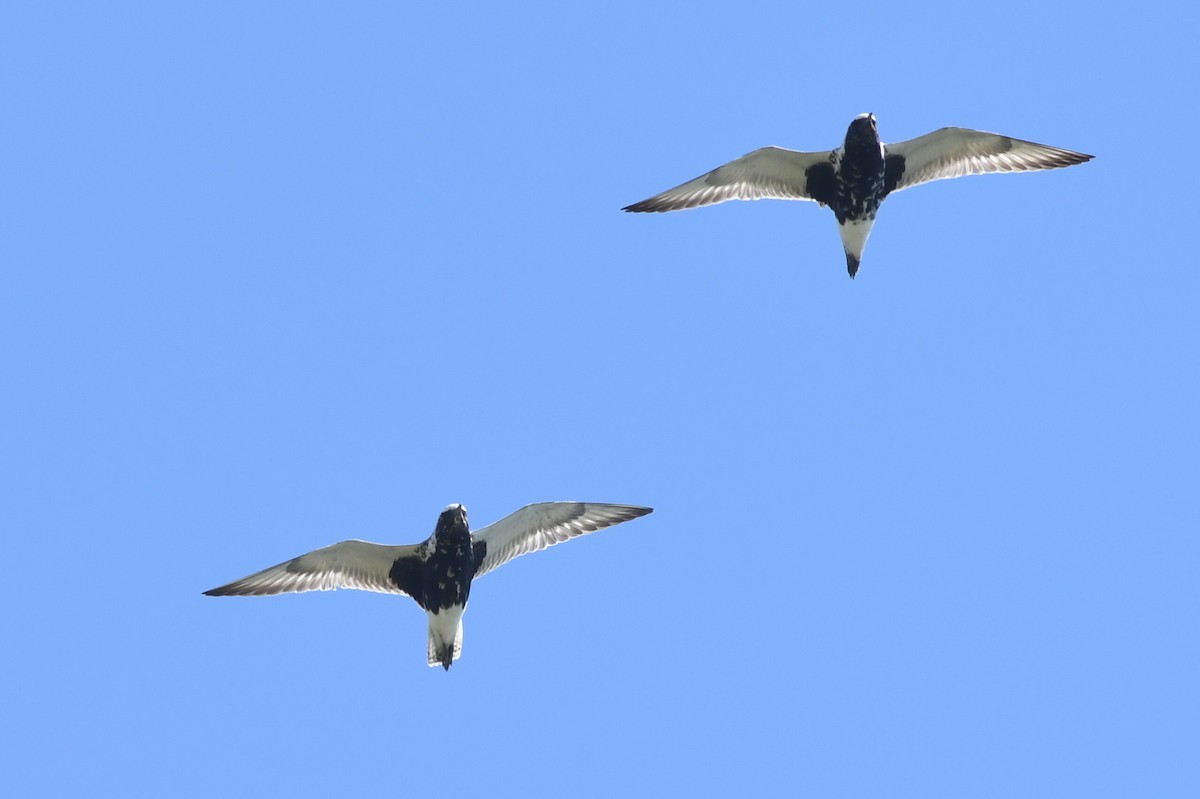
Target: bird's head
pixel 453 519
pixel 862 131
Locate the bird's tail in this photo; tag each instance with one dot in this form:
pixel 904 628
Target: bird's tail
pixel 442 650
pixel 851 264
pixel 854 240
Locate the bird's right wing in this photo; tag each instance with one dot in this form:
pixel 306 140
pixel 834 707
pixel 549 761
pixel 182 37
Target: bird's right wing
pixel 771 172
pixel 545 524
pixel 350 564
pixel 954 152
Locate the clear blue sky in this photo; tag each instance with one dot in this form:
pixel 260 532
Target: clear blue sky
pixel 274 276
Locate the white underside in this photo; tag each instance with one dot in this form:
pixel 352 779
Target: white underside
pixel 854 236
pixel 444 626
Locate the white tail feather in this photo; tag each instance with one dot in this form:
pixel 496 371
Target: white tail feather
pixel 440 627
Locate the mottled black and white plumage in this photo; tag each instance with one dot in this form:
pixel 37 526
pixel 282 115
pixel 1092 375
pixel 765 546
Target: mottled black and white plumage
pixel 438 572
pixel 856 177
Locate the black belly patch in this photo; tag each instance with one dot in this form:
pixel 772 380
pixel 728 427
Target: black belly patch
pixel 440 580
pixel 448 578
pixel 859 186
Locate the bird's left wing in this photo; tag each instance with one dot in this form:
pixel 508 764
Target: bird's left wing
pixel 954 152
pixel 770 172
pixel 545 524
pixel 350 564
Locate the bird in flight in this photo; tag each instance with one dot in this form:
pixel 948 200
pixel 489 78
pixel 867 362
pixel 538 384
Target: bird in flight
pixel 438 572
pixel 856 177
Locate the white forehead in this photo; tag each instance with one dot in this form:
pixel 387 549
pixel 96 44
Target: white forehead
pixel 452 506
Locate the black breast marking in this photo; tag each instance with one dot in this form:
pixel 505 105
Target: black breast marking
pixel 860 184
pixel 442 580
pixel 448 572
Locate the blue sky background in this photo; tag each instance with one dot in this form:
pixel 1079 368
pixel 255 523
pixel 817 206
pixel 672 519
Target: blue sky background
pixel 275 275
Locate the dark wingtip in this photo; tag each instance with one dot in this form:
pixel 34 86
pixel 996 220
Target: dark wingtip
pixel 1069 158
pixel 1073 158
pixel 851 265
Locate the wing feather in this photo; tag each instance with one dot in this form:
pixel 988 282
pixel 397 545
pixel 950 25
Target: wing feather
pixel 349 564
pixel 544 524
pixel 954 152
pixel 770 172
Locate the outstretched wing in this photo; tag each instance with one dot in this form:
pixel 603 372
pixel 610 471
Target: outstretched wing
pixel 954 152
pixel 545 524
pixel 771 172
pixel 350 564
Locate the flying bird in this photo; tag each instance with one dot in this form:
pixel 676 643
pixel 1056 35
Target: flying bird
pixel 855 178
pixel 438 572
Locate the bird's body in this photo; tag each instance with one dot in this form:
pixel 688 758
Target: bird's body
pixel 855 178
pixel 438 576
pixel 438 572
